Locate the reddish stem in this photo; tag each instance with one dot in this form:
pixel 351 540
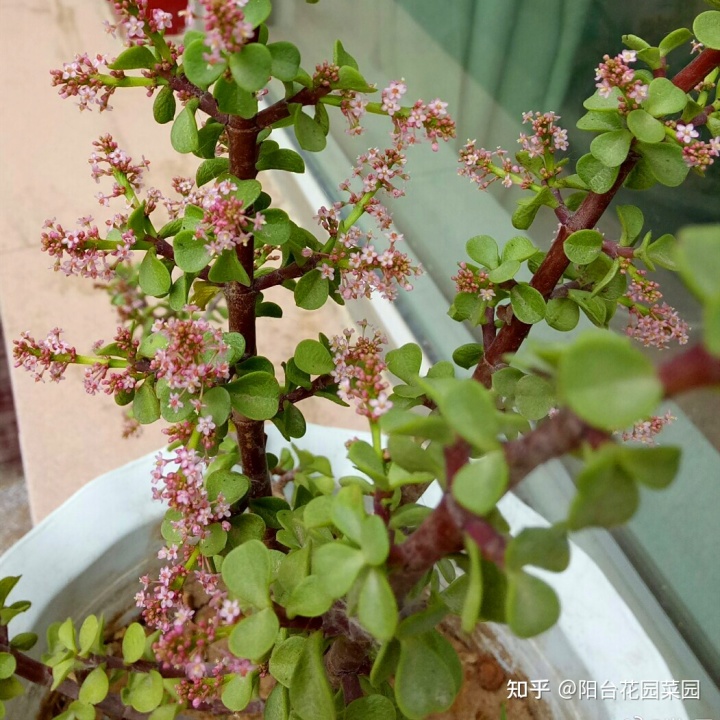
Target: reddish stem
pixel 691 369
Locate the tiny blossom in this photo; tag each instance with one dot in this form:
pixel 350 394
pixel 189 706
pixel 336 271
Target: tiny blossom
pixel 226 27
pixel 616 73
pixel 80 79
pixel 686 133
pixel 51 355
pixel 358 372
pixel 353 108
pixel 484 167
pixel 699 154
pixel 391 96
pixel 229 611
pixel 109 159
pixel 696 46
pixel 658 327
pixel 547 136
pixel 645 431
pixel 471 280
pixel 195 356
pixel 205 425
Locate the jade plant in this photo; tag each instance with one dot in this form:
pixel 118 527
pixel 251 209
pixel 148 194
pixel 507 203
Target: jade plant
pixel 335 586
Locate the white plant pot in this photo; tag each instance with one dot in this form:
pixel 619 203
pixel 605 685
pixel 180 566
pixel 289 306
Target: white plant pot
pixel 86 557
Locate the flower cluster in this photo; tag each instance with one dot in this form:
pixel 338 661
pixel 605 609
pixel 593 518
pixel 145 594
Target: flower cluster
pixel 51 354
pixel 432 118
pixel 136 22
pixel 616 73
pixel 225 224
pixel 696 153
pixel 353 107
pixel 109 161
pixel 80 79
pixel 227 29
pixel 646 430
pixel 77 253
pixel 98 376
pixel 547 137
pixel 196 354
pixel 478 165
pixel 358 372
pixel 658 324
pixel 472 280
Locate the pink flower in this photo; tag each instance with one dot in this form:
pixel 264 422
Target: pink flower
pixel 686 133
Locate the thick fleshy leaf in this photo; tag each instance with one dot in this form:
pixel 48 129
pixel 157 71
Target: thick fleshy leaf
pixel 470 411
pixel 532 606
pixel 196 67
pixel 191 253
pixel 311 696
pixel 664 98
pixel 534 397
pixel 246 572
pixel 164 106
pixel 154 277
pixel 527 303
pixel 484 250
pixel 595 175
pixel 133 644
pixel 338 565
pixel 254 635
pixel 146 406
pixel 184 134
pixel 562 314
pixel 237 693
pixel 134 58
pixel 645 127
pixel 312 291
pixel 285 60
pixel 377 607
pixel 583 246
pixel 707 29
pixel 235 100
pixel 608 382
pixel 547 548
pixel 479 485
pixel 313 358
pixel 95 687
pixel 309 133
pixel 251 66
pixel 665 162
pixel 255 395
pixel 285 658
pixel 611 148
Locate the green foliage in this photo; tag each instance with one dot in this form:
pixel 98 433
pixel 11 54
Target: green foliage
pixel 184 134
pixel 706 28
pixel 254 636
pixel 311 697
pixel 251 67
pixel 532 606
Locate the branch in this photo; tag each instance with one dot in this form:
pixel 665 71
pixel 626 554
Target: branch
pixel 280 111
pixel 301 393
pixel 691 369
pixel 289 272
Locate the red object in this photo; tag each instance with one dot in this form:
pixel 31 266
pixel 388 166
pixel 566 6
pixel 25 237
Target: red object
pixel 172 6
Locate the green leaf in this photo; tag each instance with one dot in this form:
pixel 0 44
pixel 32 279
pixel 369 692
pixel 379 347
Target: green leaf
pixel 607 496
pixel 562 314
pixel 664 98
pixel 285 658
pixel 527 303
pixel 372 707
pixel 184 134
pixel 6 586
pixel 338 565
pixel 707 29
pixel 164 105
pixel 281 159
pixel 309 133
pixel 196 67
pixel 227 268
pixel 313 358
pixel 583 246
pixel 600 121
pixel 8 665
pixel 698 259
pixel 246 572
pixel 348 512
pixel 237 693
pixel 654 467
pixel 216 402
pixel 405 362
pixel 598 102
pixel 210 169
pixel 312 291
pixel 663 252
pixel 214 541
pixel 255 395
pixel 146 406
pixel 285 60
pixel 231 485
pixel 95 687
pixel 424 682
pixel 532 606
pixel 191 253
pixel 607 382
pixel 311 696
pixel 645 127
pixel 342 57
pixel 134 58
pixel 711 326
pixel 484 250
pixel 595 175
pixel 254 635
pixel 632 220
pixel 468 355
pixel 374 540
pixel 611 148
pixel 257 11
pixel 534 397
pixel 89 635
pixel 547 548
pixel 154 277
pixel 277 706
pixel 377 607
pixel 133 644
pixel 251 66
pixel 234 100
pixel 178 296
pixel 12 687
pixel 472 604
pixel 593 307
pixel 478 485
pixel 470 411
pixel 665 162
pixel 276 230
pixel 527 208
pixel 504 272
pixel 309 598
pixel 518 248
pixel 145 691
pixel 23 641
